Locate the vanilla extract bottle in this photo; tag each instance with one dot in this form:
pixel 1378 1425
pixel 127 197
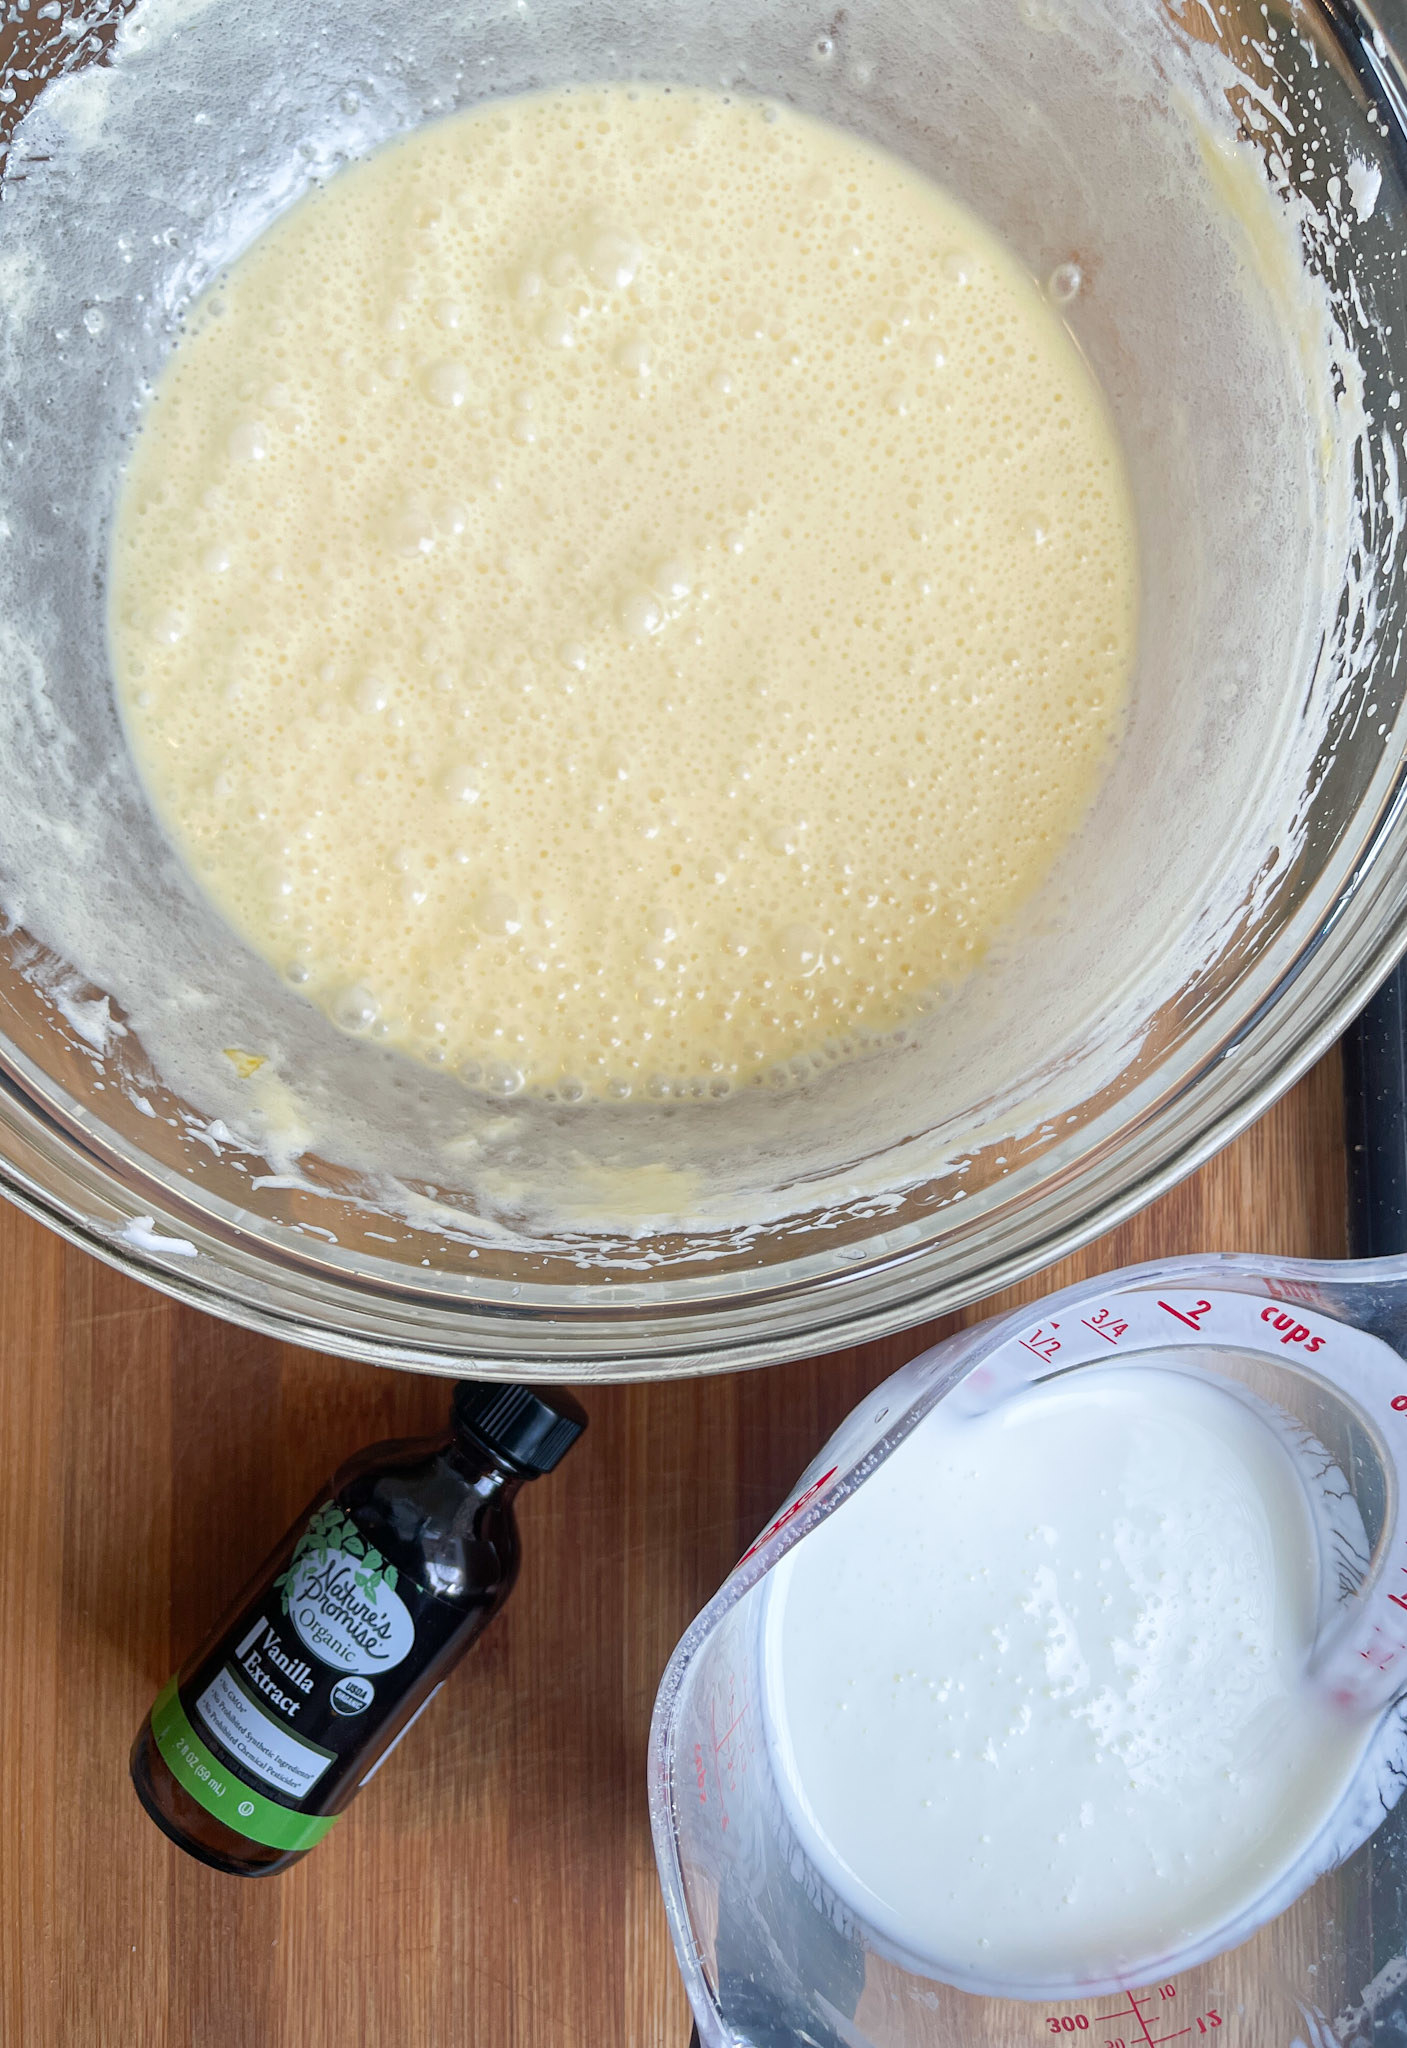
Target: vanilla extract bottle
pixel 274 1724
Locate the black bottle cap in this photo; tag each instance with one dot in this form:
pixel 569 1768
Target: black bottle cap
pixel 529 1430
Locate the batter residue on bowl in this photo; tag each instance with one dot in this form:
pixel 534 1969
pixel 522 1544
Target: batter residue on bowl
pixel 624 588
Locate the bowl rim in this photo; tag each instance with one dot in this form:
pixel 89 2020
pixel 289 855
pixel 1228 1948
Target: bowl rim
pixel 59 1166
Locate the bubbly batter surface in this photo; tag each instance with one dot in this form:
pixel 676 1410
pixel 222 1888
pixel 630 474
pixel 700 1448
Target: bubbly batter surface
pixel 624 591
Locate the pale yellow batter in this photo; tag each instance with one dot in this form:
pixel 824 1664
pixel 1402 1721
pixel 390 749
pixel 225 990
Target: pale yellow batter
pixel 624 591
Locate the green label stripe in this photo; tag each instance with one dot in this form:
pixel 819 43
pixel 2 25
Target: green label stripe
pixel 238 1805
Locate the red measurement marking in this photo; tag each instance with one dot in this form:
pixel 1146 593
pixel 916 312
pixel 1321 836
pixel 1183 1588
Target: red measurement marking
pixel 719 1740
pixel 789 1514
pixel 1042 1342
pixel 1136 2003
pixel 1204 2023
pixel 1295 1290
pixel 717 1774
pixel 1291 1332
pixel 1119 2012
pixel 1104 1327
pixel 1193 1317
pixel 1379 1658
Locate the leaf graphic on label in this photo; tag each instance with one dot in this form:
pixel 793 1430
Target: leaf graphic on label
pixel 330 1530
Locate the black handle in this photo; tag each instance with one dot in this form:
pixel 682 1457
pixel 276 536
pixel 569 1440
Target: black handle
pixel 1375 1129
pixel 1375 1122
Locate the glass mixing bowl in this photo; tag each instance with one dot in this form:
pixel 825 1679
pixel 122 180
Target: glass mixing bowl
pixel 1217 198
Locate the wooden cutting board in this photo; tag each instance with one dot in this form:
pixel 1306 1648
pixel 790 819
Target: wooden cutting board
pixel 495 1887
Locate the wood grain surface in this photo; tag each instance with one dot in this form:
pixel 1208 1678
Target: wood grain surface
pixel 494 1888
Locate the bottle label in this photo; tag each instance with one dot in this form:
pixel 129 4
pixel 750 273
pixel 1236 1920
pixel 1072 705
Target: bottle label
pixel 198 1771
pixel 341 1598
pixel 273 1752
pixel 272 1720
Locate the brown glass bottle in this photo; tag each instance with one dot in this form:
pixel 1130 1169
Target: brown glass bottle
pixel 300 1691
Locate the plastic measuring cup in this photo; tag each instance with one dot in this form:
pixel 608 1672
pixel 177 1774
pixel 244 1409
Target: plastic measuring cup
pixel 773 1957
